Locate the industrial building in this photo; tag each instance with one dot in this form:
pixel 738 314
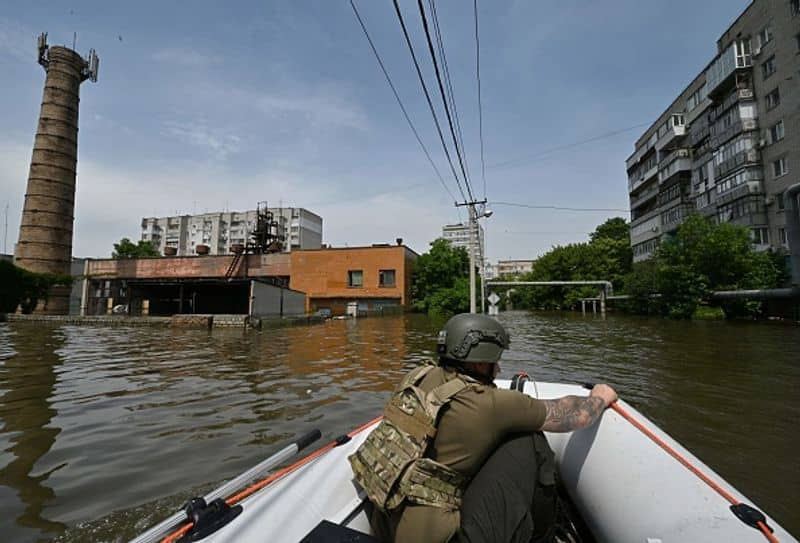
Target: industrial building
pixel 459 236
pixel 45 232
pixel 325 280
pixel 728 147
pixel 298 227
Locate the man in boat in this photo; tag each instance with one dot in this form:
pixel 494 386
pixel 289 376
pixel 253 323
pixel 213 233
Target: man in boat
pixel 457 459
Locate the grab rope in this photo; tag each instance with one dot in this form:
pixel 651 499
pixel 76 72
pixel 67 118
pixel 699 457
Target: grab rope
pixel 760 522
pixel 183 530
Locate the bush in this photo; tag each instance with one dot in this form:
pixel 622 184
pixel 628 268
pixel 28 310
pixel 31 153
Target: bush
pixel 22 288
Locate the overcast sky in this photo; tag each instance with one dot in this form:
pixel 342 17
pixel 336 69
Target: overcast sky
pixel 201 107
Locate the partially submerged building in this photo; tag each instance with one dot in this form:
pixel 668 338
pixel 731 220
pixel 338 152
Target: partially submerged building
pixel 324 280
pixel 728 146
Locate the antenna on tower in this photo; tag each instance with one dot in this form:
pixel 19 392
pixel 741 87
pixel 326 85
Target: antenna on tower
pixel 74 39
pixel 41 43
pixel 94 65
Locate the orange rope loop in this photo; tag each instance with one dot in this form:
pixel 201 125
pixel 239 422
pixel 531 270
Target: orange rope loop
pixel 688 465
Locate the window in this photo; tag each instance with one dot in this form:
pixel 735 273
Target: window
pixel 779 167
pixel 386 278
pixel 760 235
pixel 696 98
pixel 768 67
pixel 355 278
pixel 782 237
pixel 776 132
pixel 773 99
pixel 779 201
pixel 794 5
pixel 765 36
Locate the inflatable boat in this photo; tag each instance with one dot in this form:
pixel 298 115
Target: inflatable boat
pixel 629 481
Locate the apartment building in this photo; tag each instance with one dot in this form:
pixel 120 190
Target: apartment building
pixel 729 145
pixel 300 229
pixel 458 235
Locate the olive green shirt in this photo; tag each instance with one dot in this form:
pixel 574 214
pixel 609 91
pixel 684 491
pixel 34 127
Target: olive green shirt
pixel 470 428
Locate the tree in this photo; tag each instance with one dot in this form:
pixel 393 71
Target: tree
pixel 127 249
pixel 702 257
pixel 23 288
pixel 441 279
pixel 616 228
pixel 607 257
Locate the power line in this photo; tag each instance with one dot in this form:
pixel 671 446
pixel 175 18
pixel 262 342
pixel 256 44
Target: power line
pixel 428 97
pixel 442 93
pixel 480 105
pixel 533 158
pixel 448 80
pixel 399 101
pixel 558 208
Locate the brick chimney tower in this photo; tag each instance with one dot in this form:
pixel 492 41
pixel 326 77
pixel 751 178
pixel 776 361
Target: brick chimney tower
pixel 45 233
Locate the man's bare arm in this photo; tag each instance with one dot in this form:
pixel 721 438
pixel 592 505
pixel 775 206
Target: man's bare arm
pixel 576 412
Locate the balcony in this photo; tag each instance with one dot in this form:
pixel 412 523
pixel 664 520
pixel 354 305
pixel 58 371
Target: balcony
pixel 675 129
pixel 648 226
pixel 697 111
pixel 673 217
pixel 735 57
pixel 677 161
pixel 643 197
pixel 727 134
pixel 749 156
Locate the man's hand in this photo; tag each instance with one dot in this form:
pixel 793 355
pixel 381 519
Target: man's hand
pixel 608 394
pixel 572 413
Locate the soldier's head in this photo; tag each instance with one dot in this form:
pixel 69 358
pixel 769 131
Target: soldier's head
pixel 473 343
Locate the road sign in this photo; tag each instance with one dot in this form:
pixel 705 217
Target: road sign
pixel 493 298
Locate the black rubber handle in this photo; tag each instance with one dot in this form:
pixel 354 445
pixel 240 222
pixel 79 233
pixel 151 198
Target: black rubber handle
pixel 308 439
pixel 589 386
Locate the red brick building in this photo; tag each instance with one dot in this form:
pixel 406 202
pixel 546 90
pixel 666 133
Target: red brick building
pixel 372 277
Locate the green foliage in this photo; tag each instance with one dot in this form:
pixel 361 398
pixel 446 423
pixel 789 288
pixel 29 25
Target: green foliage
pixel 616 228
pixel 127 249
pixel 441 279
pixel 19 287
pixel 607 257
pixel 642 283
pixel 699 258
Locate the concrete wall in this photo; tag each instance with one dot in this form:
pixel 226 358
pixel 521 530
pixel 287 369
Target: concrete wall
pixel 189 267
pixel 271 301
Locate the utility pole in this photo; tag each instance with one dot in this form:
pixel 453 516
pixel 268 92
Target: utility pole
pixel 473 227
pixel 5 232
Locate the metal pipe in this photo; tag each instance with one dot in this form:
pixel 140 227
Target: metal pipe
pixel 792 214
pixel 757 294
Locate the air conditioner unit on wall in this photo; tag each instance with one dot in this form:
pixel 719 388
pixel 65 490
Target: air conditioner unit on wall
pixel 762 143
pixel 756 52
pixel 769 200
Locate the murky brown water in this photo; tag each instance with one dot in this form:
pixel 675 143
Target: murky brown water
pixel 107 430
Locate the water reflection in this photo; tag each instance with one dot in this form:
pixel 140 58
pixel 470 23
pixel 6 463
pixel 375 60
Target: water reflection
pixel 150 416
pixel 26 412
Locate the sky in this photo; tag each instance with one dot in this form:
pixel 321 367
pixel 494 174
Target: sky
pixel 201 106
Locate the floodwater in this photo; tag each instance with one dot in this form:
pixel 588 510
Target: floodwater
pixel 106 430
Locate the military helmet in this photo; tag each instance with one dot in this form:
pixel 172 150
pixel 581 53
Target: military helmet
pixel 472 338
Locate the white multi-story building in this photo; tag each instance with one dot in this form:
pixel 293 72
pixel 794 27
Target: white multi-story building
pixel 300 228
pixel 514 268
pixel 458 236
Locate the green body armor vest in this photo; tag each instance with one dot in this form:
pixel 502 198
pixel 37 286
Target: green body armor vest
pixel 391 465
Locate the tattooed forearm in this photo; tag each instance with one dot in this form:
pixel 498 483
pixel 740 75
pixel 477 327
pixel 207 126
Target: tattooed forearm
pixel 572 413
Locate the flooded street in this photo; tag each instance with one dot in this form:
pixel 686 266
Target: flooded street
pixel 104 431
